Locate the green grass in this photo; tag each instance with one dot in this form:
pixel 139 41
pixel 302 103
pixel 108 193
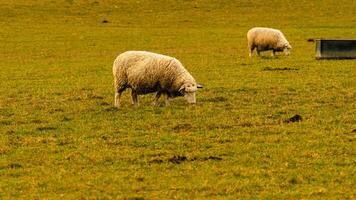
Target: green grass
pixel 61 137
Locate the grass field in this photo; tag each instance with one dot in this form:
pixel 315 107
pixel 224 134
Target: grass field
pixel 61 137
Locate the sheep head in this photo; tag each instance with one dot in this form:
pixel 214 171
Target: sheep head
pixel 286 49
pixel 188 91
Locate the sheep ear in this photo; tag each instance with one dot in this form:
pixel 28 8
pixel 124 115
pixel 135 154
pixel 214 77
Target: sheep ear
pixel 199 86
pixel 182 89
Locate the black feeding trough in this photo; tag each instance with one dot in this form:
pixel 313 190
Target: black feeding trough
pixel 335 48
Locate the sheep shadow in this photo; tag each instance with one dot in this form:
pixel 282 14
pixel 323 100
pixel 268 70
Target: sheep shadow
pixel 280 69
pixel 268 57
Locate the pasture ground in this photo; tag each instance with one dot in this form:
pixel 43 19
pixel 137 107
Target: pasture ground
pixel 61 137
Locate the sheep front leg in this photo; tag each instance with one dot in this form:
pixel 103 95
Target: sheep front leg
pixel 167 99
pixel 155 102
pixel 250 48
pixel 273 53
pixel 117 99
pixel 134 98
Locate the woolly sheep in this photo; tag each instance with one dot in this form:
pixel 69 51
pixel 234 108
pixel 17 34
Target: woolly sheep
pixel 264 39
pixel 147 72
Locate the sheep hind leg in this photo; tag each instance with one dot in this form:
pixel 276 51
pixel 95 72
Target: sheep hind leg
pixel 134 98
pixel 258 52
pixel 273 53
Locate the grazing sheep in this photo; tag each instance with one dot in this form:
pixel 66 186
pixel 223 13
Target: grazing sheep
pixel 264 39
pixel 146 72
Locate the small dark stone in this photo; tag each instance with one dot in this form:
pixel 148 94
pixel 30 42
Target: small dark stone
pixel 105 21
pixel 295 118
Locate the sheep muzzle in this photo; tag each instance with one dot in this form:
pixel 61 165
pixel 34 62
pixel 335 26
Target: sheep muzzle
pixel 190 97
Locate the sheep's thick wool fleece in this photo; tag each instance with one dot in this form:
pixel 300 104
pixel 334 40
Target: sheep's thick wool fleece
pixel 267 37
pixel 146 72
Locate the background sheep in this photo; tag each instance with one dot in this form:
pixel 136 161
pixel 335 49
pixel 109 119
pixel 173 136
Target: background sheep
pixel 264 39
pixel 146 72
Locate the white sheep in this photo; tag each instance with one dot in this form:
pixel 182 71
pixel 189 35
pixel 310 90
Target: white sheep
pixel 146 72
pixel 264 39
